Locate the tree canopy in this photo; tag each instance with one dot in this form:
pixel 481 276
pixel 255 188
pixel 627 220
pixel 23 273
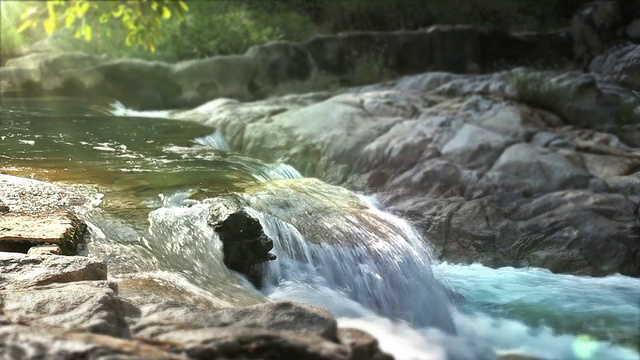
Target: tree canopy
pixel 141 19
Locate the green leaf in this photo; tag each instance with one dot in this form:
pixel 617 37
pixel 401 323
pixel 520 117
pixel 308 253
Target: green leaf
pixel 25 25
pixel 183 5
pixel 154 5
pixel 50 25
pixel 129 39
pixel 118 12
pixel 104 18
pixel 84 7
pixel 78 34
pixel 151 47
pixel 86 30
pixel 71 18
pixel 166 13
pixel 32 10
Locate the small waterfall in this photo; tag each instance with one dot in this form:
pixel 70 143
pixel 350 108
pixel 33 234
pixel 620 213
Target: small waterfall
pixel 278 171
pixel 385 266
pixel 215 141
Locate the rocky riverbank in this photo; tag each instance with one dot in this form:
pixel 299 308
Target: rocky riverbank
pixel 56 306
pixel 486 176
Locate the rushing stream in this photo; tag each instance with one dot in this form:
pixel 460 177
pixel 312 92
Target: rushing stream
pixel 155 179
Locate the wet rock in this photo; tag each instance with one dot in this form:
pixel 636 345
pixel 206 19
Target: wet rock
pixel 245 245
pixel 41 213
pixel 29 343
pixel 363 346
pixel 158 319
pixel 21 271
pixel 85 305
pixel 450 151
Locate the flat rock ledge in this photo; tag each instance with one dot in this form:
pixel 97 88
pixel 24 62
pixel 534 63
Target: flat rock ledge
pixel 64 307
pixel 39 217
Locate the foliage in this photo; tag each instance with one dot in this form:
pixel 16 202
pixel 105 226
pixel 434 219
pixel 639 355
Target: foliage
pixel 232 26
pixel 538 91
pixel 11 40
pixel 141 19
pixel 387 15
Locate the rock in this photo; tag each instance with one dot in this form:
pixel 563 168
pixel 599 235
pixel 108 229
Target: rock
pixel 74 317
pixel 217 77
pixel 449 152
pixel 40 213
pixel 21 271
pixel 163 317
pixel 44 250
pixel 633 29
pixel 273 68
pixel 22 342
pixel 474 146
pixel 622 63
pixel 594 27
pixel 540 169
pixel 85 305
pixel 245 245
pixel 363 346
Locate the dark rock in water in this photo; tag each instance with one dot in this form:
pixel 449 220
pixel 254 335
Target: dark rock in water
pixel 245 245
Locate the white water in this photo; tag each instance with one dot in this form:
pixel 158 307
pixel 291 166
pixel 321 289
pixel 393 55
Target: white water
pixel 389 291
pixel 118 109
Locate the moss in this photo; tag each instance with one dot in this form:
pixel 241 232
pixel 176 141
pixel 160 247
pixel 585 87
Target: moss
pixel 74 236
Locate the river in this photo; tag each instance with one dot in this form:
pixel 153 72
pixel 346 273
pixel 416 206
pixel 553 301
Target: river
pixel 153 179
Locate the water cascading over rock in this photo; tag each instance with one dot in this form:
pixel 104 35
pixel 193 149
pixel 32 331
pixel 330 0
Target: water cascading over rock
pixel 327 236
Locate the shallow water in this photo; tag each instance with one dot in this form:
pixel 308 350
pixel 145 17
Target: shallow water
pixel 156 176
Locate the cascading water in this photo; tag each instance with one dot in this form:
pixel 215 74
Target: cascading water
pixel 334 249
pixel 385 267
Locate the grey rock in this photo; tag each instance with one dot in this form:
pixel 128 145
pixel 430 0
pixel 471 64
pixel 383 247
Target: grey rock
pixel 85 306
pixel 19 271
pixel 633 29
pixel 475 147
pixel 540 169
pixel 158 319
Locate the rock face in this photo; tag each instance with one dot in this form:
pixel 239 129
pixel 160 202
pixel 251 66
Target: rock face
pixel 485 178
pixel 64 307
pixel 351 58
pixel 36 213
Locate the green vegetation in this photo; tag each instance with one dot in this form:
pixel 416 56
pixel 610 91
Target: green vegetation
pixel 132 28
pixel 539 91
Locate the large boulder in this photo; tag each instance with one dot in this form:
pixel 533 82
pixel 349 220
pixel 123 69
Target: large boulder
pixel 469 161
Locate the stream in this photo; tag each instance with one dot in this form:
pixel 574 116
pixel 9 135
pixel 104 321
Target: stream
pixel 154 179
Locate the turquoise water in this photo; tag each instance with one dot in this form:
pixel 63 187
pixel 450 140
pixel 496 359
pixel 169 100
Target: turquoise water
pixel 156 175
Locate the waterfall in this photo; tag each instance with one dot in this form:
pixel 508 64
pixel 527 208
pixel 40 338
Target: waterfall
pixel 384 265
